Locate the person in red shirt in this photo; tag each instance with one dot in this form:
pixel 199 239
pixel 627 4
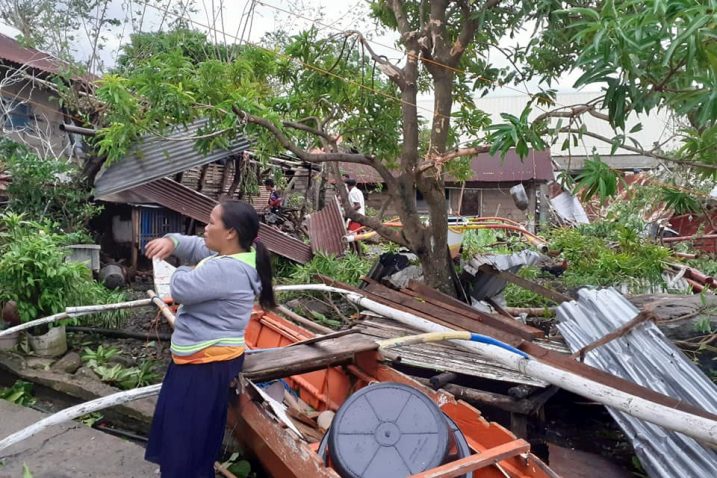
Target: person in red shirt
pixel 274 201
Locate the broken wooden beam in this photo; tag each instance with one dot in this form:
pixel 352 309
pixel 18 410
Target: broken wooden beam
pixel 482 398
pixel 624 329
pixel 509 324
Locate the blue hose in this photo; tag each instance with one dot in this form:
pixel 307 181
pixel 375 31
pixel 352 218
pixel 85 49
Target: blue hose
pixel 484 339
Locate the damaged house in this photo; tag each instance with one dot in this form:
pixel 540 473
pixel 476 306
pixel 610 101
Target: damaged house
pixel 165 185
pixel 30 112
pixel 486 193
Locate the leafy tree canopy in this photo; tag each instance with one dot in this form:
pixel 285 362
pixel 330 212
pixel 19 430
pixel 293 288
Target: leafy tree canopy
pixel 334 92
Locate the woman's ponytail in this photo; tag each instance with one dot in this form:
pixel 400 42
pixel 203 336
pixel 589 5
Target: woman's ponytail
pixel 263 267
pixel 242 217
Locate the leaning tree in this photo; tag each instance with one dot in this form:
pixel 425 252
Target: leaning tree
pixel 335 98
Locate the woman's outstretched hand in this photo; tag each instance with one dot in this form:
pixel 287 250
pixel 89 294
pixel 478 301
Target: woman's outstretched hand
pixel 160 248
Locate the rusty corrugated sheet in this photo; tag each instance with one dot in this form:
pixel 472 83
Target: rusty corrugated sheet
pixel 12 51
pixel 184 200
pixel 537 166
pixel 327 229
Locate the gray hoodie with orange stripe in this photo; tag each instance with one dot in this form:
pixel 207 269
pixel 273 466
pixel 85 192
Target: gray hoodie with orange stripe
pixel 216 296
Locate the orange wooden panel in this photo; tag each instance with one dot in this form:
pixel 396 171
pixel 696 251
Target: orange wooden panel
pixel 477 462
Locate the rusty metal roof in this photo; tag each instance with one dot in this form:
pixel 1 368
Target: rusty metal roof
pixel 184 200
pixel 155 158
pixel 11 51
pixel 537 166
pixel 327 229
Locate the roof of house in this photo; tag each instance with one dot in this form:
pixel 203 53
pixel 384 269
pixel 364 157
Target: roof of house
pixel 537 166
pixel 155 158
pixel 487 168
pixel 11 51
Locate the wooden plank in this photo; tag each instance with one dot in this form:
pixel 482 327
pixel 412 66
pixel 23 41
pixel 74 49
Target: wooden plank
pixel 321 338
pixel 508 324
pixel 381 300
pixel 477 462
pixel 435 313
pixel 526 284
pixel 301 359
pixel 624 329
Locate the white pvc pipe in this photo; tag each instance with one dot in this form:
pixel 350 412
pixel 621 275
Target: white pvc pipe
pixel 697 427
pixel 76 312
pixel 79 410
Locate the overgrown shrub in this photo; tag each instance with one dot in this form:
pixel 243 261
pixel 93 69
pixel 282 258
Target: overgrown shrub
pixel 34 273
pixel 47 189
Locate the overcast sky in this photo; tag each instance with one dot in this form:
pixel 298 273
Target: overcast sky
pixel 232 21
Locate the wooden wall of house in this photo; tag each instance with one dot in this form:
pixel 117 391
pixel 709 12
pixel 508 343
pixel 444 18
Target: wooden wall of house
pixel 42 111
pixel 493 199
pixel 218 179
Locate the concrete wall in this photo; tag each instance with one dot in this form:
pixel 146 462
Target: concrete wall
pixel 41 110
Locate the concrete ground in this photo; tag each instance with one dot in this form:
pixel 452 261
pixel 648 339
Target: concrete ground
pixel 70 450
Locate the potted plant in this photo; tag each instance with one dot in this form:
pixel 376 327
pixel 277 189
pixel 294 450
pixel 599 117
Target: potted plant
pixel 34 274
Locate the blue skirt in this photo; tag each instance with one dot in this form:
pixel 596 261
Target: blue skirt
pixel 190 418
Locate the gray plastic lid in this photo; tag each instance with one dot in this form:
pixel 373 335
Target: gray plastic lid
pixel 388 430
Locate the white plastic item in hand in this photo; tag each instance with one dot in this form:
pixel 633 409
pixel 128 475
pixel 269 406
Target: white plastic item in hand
pixel 162 273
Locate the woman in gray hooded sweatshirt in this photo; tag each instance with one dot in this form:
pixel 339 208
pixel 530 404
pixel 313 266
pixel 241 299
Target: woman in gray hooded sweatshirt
pixel 216 298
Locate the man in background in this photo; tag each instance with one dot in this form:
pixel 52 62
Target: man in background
pixel 356 201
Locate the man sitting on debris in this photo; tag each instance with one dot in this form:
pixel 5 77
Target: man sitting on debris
pixel 356 201
pixel 274 201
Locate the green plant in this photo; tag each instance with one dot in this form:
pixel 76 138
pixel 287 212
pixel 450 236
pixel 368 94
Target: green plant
pixel 349 269
pixel 91 418
pixel 130 377
pixel 597 178
pixel 323 320
pixel 704 326
pixel 516 296
pixel 48 189
pixel 34 273
pixel 608 253
pixel 20 393
pixel 26 473
pixel 98 357
pixel 239 467
pixel 146 374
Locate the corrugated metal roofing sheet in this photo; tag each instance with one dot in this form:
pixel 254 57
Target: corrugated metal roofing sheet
pixel 184 200
pixel 645 357
pixel 12 51
pixel 327 229
pixel 156 158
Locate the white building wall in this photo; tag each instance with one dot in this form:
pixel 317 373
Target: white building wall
pixel 656 128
